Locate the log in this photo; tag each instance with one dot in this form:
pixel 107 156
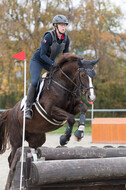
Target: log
pixel 79 153
pixel 82 170
pixel 77 187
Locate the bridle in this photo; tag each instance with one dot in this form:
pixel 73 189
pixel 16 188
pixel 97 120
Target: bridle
pixel 79 79
pixel 77 88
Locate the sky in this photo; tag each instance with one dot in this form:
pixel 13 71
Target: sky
pixel 122 5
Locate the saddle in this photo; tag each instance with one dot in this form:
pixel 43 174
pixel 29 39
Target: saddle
pixel 38 91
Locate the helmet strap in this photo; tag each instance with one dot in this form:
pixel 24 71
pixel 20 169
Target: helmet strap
pixel 58 29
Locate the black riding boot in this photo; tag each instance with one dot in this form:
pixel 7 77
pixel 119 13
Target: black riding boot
pixel 29 102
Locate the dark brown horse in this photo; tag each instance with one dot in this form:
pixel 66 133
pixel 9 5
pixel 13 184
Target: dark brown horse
pixel 60 99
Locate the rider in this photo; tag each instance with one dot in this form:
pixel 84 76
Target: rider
pixel 52 44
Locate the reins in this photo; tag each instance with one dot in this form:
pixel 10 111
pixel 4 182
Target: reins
pixel 80 87
pixel 63 87
pixel 68 78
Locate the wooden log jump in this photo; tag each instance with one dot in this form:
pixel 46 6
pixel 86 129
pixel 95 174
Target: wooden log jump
pixel 81 168
pixel 91 170
pixel 79 153
pixel 109 130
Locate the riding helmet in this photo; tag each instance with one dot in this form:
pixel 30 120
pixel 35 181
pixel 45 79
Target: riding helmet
pixel 60 19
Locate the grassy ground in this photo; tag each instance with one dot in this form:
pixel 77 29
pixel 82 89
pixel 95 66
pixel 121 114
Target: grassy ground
pixel 62 129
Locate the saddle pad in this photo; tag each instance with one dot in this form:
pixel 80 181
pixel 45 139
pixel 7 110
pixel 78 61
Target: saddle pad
pixel 23 101
pixel 41 86
pixel 39 92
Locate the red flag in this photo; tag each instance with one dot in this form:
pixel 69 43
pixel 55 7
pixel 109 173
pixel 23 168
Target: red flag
pixel 20 56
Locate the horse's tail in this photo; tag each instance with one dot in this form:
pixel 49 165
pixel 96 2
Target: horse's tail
pixel 4 132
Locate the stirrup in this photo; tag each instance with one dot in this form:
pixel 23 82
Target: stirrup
pixel 28 113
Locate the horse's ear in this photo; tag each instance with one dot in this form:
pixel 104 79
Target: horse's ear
pixel 93 62
pixel 80 64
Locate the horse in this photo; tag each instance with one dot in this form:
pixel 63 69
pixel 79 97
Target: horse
pixel 58 102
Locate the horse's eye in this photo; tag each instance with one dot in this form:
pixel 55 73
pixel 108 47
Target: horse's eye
pixel 83 75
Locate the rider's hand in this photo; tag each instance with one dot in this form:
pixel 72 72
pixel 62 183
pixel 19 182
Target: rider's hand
pixel 54 64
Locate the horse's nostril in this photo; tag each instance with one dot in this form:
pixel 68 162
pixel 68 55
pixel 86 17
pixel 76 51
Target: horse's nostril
pixel 92 97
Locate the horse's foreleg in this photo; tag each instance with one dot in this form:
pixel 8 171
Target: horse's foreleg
pixel 60 114
pixel 35 140
pixel 79 133
pixel 64 139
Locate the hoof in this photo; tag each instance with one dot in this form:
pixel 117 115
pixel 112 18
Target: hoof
pixel 78 135
pixel 77 139
pixel 63 140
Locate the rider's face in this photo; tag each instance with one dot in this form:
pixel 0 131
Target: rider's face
pixel 62 27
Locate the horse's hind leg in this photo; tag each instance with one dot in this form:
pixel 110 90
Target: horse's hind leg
pixel 11 156
pixel 15 138
pixel 35 140
pixel 15 144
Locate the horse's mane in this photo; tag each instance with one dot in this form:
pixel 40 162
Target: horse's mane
pixel 67 57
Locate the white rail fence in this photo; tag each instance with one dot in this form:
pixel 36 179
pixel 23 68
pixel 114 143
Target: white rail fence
pixel 92 112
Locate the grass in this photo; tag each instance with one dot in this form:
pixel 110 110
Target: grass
pixel 62 129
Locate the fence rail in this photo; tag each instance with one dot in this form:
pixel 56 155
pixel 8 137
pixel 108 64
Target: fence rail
pixel 108 110
pixel 92 111
pixel 2 110
pixel 101 110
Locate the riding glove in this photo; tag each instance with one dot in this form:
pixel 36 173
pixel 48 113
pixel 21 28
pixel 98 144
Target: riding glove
pixel 54 64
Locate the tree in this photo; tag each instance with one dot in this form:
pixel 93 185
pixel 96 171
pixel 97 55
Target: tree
pixel 95 35
pixel 93 31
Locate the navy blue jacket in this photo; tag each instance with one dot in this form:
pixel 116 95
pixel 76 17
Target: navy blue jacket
pixel 41 54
